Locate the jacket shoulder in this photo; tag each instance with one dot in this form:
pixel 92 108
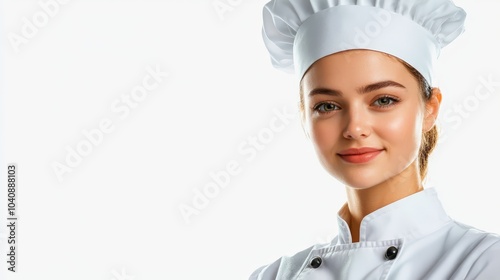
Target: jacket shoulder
pixel 487 263
pixel 479 255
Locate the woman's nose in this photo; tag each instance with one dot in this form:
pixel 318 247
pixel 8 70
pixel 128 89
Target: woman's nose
pixel 357 125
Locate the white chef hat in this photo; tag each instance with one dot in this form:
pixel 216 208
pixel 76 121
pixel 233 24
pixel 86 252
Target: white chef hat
pixel 299 32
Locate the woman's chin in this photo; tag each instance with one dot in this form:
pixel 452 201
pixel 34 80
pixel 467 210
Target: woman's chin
pixel 360 181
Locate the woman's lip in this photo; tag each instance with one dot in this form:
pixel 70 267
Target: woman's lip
pixel 360 158
pixel 359 155
pixel 358 151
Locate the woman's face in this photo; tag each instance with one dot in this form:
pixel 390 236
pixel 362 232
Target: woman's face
pixel 364 113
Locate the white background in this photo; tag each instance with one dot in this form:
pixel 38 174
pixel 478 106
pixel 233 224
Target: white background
pixel 116 214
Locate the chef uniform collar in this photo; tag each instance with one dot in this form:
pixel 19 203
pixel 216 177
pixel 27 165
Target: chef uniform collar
pixel 411 217
pixel 299 32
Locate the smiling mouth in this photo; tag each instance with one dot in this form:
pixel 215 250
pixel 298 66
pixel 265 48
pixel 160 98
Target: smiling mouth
pixel 362 155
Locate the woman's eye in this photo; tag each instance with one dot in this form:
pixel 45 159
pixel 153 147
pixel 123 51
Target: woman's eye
pixel 326 107
pixel 385 101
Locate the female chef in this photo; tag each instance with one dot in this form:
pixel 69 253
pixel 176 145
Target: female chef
pixel 365 70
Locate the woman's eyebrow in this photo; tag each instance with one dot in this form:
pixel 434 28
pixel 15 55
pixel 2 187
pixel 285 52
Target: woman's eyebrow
pixel 380 85
pixel 361 90
pixel 326 91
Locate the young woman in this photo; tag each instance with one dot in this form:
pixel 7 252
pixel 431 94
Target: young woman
pixel 365 70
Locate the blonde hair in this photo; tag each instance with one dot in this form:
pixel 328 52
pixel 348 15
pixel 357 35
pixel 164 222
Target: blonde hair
pixel 429 138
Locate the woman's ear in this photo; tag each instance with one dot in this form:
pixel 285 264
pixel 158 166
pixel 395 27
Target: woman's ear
pixel 432 109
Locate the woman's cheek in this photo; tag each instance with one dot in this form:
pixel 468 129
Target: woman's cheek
pixel 323 134
pixel 404 129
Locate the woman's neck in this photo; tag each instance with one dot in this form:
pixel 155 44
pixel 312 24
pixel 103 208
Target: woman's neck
pixel 362 202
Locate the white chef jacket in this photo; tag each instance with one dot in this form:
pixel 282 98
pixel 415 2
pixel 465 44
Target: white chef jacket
pixel 426 244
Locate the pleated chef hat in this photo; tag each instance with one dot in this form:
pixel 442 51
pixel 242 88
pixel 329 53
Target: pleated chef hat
pixel 299 32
